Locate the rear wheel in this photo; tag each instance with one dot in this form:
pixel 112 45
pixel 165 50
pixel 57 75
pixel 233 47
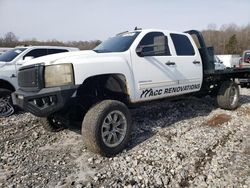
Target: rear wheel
pixel 228 95
pixel 106 127
pixel 6 105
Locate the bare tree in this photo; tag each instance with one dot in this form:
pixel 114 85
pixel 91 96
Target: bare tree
pixel 10 39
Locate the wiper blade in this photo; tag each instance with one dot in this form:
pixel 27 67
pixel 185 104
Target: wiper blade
pixel 102 51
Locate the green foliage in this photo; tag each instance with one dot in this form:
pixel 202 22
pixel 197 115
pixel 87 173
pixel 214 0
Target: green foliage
pixel 231 46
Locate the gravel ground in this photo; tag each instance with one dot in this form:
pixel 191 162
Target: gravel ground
pixel 186 143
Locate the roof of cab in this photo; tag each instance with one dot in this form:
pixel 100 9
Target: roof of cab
pixel 49 47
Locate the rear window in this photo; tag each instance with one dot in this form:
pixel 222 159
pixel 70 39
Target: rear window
pixel 55 51
pixel 44 51
pixel 36 53
pixel 182 45
pixel 247 55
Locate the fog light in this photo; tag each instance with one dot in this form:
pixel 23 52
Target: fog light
pixel 38 102
pixel 53 99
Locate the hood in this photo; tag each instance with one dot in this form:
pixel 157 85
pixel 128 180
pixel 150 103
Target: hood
pixel 49 59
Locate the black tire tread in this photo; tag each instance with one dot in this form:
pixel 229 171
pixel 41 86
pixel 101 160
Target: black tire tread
pixel 4 92
pixel 49 126
pixel 224 93
pixel 90 128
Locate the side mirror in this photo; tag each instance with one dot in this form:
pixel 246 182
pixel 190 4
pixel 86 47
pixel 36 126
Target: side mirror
pixel 157 47
pixel 27 58
pixel 22 61
pixel 139 51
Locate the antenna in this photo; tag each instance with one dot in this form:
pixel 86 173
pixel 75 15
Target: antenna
pixel 136 28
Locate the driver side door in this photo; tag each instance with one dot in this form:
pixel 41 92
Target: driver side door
pixel 153 67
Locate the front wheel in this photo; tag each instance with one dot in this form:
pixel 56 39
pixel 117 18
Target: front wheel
pixel 106 127
pixel 6 105
pixel 228 95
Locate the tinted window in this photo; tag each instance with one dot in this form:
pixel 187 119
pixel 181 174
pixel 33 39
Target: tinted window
pixel 11 54
pixel 247 56
pixel 154 44
pixel 36 53
pixel 182 44
pixel 119 43
pixel 55 51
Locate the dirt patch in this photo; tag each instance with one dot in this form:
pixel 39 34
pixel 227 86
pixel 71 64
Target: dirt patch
pixel 219 119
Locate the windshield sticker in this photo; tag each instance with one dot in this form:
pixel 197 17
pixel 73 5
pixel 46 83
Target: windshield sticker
pixel 18 51
pixel 158 92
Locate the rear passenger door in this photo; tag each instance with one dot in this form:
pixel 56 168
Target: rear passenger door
pixel 188 62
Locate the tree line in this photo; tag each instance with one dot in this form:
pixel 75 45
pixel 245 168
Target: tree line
pixel 11 40
pixel 228 39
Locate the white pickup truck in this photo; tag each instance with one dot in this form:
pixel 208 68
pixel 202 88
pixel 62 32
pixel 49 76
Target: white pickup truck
pixel 98 86
pixel 11 61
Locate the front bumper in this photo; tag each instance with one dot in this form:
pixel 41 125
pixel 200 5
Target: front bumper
pixel 44 102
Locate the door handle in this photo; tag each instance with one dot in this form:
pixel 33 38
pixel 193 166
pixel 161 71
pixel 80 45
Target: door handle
pixel 170 63
pixel 196 62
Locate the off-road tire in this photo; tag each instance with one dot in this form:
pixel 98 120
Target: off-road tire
pixel 228 95
pixel 51 125
pixel 10 109
pixel 92 126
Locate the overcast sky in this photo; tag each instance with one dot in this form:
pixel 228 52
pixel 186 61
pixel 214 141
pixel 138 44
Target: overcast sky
pixel 98 19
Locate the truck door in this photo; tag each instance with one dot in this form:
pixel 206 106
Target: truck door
pixel 160 70
pixel 153 67
pixel 188 62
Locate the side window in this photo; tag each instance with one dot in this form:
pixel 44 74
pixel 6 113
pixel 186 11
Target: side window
pixel 182 45
pixel 36 53
pixel 154 44
pixel 55 51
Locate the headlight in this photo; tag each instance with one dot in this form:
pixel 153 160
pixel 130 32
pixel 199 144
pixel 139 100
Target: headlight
pixel 58 75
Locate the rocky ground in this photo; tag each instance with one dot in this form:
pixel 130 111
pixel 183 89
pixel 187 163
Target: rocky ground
pixel 186 143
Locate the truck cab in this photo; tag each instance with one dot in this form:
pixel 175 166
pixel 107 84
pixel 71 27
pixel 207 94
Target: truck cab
pixel 11 61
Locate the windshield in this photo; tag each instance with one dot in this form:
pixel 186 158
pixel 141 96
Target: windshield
pixel 11 54
pixel 216 59
pixel 119 43
pixel 247 56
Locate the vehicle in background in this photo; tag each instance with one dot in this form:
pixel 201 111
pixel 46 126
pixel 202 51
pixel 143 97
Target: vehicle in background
pixel 230 60
pixel 219 65
pixel 245 59
pixel 3 50
pixel 10 61
pixel 245 63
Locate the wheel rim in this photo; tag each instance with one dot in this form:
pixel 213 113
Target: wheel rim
pixel 6 109
pixel 233 96
pixel 114 128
